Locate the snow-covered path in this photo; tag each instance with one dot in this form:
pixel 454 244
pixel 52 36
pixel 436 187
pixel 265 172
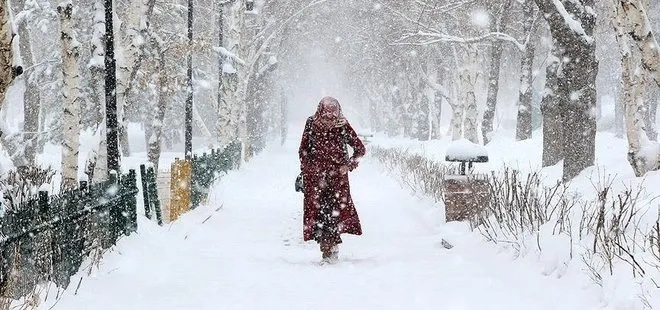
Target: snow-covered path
pixel 244 251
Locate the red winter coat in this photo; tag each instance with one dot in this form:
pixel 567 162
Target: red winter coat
pixel 325 158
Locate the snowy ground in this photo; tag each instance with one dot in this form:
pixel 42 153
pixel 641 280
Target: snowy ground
pixel 244 251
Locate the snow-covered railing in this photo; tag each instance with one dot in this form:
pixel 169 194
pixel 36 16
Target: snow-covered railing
pixel 47 238
pixel 207 167
pixel 187 182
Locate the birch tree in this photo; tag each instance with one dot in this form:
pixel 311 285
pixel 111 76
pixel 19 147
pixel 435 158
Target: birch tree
pixel 6 52
pixel 97 69
pixel 31 95
pixel 468 80
pixel 635 22
pixel 232 108
pixel 70 95
pixel 641 158
pixel 164 91
pixel 129 44
pixel 524 119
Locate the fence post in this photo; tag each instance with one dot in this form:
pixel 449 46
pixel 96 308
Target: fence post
pixel 153 194
pixel 113 205
pixel 131 202
pixel 195 181
pixel 43 202
pixel 44 250
pixel 145 191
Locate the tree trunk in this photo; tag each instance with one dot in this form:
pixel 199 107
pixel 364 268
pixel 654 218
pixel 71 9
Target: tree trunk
pixel 618 116
pixel 111 91
pixel 524 120
pixel 283 117
pixel 577 80
pixel 154 146
pixel 188 131
pixel 231 110
pixel 130 36
pixel 551 106
pixel 651 112
pixel 6 53
pixel 31 96
pixel 494 73
pixel 639 28
pixel 423 116
pixel 437 103
pixel 70 94
pixel 100 165
pixel 456 123
pixel 468 83
pixel 633 91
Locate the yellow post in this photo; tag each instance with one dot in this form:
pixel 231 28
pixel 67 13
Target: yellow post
pixel 180 188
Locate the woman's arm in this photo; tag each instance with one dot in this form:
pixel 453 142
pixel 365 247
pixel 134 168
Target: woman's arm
pixel 303 150
pixel 358 147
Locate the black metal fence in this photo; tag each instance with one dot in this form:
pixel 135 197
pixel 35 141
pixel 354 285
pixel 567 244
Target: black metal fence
pixel 47 238
pixel 206 168
pixel 150 194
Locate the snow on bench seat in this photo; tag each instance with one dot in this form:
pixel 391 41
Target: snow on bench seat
pixel 466 151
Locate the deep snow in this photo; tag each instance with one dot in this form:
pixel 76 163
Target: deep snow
pixel 244 251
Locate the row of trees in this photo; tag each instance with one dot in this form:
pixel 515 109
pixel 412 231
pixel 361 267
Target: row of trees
pixel 407 60
pixel 234 58
pixel 410 59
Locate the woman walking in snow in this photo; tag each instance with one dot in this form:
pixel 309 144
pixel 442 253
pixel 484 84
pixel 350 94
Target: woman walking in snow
pixel 325 163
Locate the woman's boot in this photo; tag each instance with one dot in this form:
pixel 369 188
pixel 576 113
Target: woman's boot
pixel 326 250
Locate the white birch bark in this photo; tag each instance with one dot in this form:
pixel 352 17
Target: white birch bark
pixel 633 99
pixel 101 165
pixel 6 53
pixel 632 92
pixel 164 92
pixel 130 40
pixel 70 93
pixel 97 67
pixel 468 83
pixel 232 111
pixel 638 26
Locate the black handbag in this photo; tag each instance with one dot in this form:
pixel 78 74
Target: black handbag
pixel 299 183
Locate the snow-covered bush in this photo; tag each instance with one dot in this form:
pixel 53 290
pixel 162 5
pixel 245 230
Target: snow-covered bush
pixel 23 184
pixel 612 238
pixel 419 173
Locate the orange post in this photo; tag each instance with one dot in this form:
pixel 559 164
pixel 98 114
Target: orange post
pixel 180 188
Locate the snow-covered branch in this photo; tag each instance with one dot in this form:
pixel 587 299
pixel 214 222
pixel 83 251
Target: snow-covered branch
pixel 227 54
pixel 572 23
pixel 427 38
